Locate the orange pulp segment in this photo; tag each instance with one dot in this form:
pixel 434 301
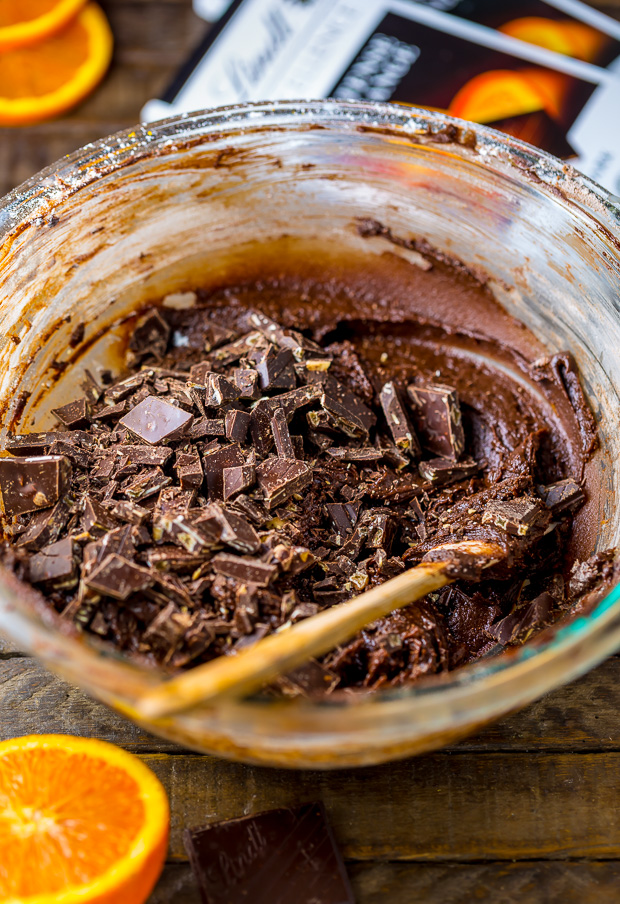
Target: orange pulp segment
pixel 574 39
pixel 24 22
pixel 80 821
pixel 40 82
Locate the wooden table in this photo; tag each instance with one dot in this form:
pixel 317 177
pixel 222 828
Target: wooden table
pixel 526 811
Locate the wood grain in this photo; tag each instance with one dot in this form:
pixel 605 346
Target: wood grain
pixel 582 716
pixel 537 882
pixel 470 806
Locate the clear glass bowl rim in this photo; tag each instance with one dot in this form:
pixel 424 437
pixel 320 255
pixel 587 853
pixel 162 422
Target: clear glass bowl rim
pixel 40 194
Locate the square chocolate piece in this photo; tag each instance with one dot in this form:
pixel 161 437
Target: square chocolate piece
pixel 278 857
pixel 155 420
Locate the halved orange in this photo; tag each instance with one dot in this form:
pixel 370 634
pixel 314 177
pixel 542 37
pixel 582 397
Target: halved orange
pixel 24 22
pixel 44 80
pixel 496 94
pixel 574 39
pixel 80 821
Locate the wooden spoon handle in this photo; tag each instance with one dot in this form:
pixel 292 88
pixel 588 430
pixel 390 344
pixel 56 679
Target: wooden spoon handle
pixel 280 653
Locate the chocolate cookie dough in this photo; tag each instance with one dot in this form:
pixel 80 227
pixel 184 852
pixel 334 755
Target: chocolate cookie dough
pixel 283 445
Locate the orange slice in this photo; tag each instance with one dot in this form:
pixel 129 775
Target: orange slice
pixel 495 95
pixel 80 821
pixel 24 22
pixel 40 82
pixel 574 39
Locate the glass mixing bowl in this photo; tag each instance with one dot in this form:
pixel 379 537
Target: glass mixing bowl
pixel 170 207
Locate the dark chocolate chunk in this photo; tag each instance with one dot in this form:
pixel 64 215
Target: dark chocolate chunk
pixel 247 382
pixel 154 420
pixel 563 497
pixel 280 478
pixel 128 511
pixel 344 453
pixel 31 483
pixel 398 422
pixel 147 484
pixel 31 443
pixel 275 368
pixel 237 532
pixel 281 435
pixel 348 411
pixel 118 577
pixel 437 418
pixel 220 391
pixel 245 569
pixel 380 525
pixel 309 680
pixel 74 415
pixel 237 480
pixel 277 857
pixel 523 620
pixel 54 563
pixel 45 526
pixel 216 335
pixel 189 470
pixel 343 516
pixel 233 351
pixel 442 471
pixel 153 456
pixel 111 412
pixel 518 517
pixel 150 337
pixel 124 388
pixel 96 517
pixel 237 424
pixel 204 426
pixel 215 461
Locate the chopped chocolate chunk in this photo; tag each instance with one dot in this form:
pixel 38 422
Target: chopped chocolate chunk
pixel 237 532
pixel 237 424
pixel 54 563
pixel 219 391
pixel 343 516
pixel 216 335
pixel 118 577
pixel 348 411
pixel 380 526
pixel 310 680
pixel 155 456
pixel 237 480
pixel 189 470
pixel 280 478
pixel 398 422
pixel 154 420
pixel 344 453
pixel 277 857
pixel 245 569
pixel 128 511
pixel 214 461
pixel 563 497
pixel 148 483
pixel 442 471
pixel 31 483
pixel 247 382
pixel 45 526
pixel 204 426
pixel 523 620
pixel 74 415
pixel 518 517
pixel 150 337
pixel 437 417
pixel 275 368
pixel 95 517
pixel 124 388
pixel 111 412
pixel 281 435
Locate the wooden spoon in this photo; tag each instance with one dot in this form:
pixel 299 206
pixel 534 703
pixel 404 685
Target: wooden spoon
pixel 238 674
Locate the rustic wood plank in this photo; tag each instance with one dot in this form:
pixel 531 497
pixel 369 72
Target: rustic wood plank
pixel 498 806
pixel 581 716
pixel 537 882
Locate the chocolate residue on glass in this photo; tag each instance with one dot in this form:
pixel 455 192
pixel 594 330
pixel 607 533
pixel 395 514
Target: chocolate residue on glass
pixel 279 445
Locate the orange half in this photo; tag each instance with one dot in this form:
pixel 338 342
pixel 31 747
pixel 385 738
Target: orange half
pixel 42 81
pixel 497 94
pixel 574 39
pixel 81 822
pixel 24 22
